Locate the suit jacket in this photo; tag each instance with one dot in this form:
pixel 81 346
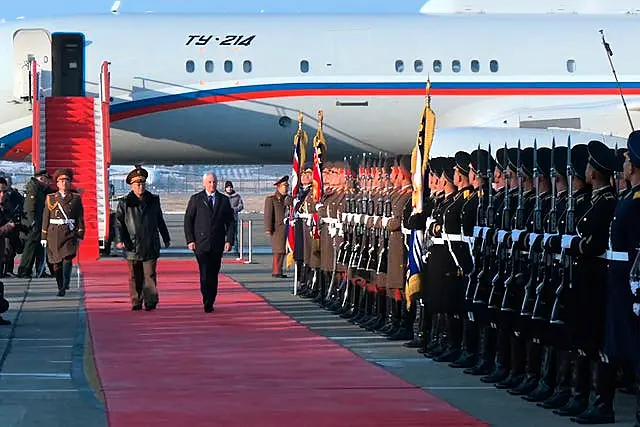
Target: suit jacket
pixel 210 230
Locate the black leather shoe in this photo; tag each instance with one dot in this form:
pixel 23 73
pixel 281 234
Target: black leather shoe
pixel 483 368
pixel 149 307
pixel 512 381
pixel 528 385
pixel 574 407
pixel 136 307
pixel 466 360
pixel 208 308
pixel 449 356
pixel 498 375
pixel 61 292
pixel 596 414
pixel 4 322
pixel 558 400
pixel 540 394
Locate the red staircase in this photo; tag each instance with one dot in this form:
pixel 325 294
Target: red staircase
pixel 73 132
pixel 70 134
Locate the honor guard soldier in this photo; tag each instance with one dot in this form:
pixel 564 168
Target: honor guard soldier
pixel 275 224
pixel 589 247
pixel 62 228
pixel 487 271
pixel 623 292
pixel 572 368
pixel 34 204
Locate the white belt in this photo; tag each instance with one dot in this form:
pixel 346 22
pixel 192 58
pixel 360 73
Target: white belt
pixel 452 237
pixel 62 221
pixel 406 231
pixel 615 256
pixel 437 241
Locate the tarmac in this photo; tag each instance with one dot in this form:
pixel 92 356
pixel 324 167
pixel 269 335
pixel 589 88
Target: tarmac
pixel 47 377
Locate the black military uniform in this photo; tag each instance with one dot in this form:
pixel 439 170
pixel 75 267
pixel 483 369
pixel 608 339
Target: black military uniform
pixel 570 367
pixel 36 192
pixel 590 249
pixel 622 332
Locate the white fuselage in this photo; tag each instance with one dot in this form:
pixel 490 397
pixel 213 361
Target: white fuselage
pixel 367 74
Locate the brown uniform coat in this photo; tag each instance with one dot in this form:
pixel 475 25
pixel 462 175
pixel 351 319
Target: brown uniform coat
pixel 275 207
pixel 62 241
pixel 397 251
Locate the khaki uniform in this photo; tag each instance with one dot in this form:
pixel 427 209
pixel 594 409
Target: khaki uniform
pixel 397 250
pixel 275 208
pixel 62 226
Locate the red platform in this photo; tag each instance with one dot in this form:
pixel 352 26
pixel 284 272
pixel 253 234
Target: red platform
pixel 246 364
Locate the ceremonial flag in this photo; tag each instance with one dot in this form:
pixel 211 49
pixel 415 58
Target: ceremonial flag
pixel 419 162
pixel 300 141
pixel 319 149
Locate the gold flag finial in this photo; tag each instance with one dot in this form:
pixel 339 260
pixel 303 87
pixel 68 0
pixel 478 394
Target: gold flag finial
pixel 320 117
pixel 300 118
pixel 428 91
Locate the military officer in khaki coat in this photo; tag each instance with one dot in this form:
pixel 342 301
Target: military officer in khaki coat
pixel 275 211
pixel 62 228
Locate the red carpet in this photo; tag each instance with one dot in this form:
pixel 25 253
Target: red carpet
pixel 244 365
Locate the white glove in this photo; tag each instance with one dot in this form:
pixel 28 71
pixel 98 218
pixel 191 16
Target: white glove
pixel 636 309
pixel 43 243
pixel 385 221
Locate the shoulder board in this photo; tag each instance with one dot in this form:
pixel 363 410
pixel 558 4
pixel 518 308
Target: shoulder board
pixel 609 196
pixel 636 195
pixel 51 201
pixel 466 194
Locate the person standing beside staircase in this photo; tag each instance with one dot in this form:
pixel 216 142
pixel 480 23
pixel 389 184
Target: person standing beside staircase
pixel 62 228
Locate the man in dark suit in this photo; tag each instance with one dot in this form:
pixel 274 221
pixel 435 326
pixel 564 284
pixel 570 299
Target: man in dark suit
pixel 208 228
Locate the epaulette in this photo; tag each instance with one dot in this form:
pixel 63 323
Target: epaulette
pixel 581 198
pixel 636 195
pixel 466 194
pixel 51 201
pixel 609 196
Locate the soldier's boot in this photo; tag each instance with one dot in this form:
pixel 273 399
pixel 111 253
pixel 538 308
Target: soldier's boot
pixel 454 340
pixel 362 306
pixel 415 312
pixel 320 287
pixel 437 345
pixel 342 292
pixel 532 374
pixel 487 350
pixel 386 302
pixel 390 318
pixel 627 379
pixel 407 316
pixel 377 312
pixel 518 364
pixel 603 384
pixel 354 302
pixel 67 267
pixel 469 356
pixel 562 391
pixel 59 275
pixel 579 400
pixel 548 376
pixel 503 357
pixel 311 284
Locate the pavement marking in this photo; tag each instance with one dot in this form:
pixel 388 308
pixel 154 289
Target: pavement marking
pixel 52 390
pixel 64 376
pixel 460 388
pixel 59 361
pixel 55 346
pixel 365 337
pixel 36 339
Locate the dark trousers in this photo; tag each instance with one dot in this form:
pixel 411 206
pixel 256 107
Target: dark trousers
pixel 33 253
pixel 62 273
pixel 209 265
pixel 142 282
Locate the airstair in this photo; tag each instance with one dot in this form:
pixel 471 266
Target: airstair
pixel 74 132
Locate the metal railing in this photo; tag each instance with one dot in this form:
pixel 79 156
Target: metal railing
pixel 241 226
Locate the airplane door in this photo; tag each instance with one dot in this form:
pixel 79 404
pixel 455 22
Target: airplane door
pixel 68 65
pixel 29 45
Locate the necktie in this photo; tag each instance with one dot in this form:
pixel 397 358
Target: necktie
pixel 211 202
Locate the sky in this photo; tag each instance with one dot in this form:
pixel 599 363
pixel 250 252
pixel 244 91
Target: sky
pixel 43 8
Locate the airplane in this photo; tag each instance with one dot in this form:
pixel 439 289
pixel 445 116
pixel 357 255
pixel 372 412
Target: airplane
pixel 228 89
pixel 597 7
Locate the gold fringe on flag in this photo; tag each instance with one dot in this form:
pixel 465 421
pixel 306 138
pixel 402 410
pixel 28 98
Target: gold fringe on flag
pixel 301 140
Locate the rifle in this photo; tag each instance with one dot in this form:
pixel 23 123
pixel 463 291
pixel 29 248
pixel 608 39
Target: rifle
pixel 357 228
pixel 511 295
pixel 386 213
pixel 558 312
pixel 476 252
pixel 348 210
pixel 545 291
pixel 331 289
pixel 372 255
pixel 363 257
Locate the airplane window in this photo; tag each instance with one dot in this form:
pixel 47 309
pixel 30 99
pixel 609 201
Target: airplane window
pixel 437 66
pixel 191 66
pixel 493 66
pixel 228 66
pixel 246 66
pixel 417 66
pixel 304 66
pixel 475 65
pixel 455 66
pixel 208 66
pixel 571 65
pixel 399 66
